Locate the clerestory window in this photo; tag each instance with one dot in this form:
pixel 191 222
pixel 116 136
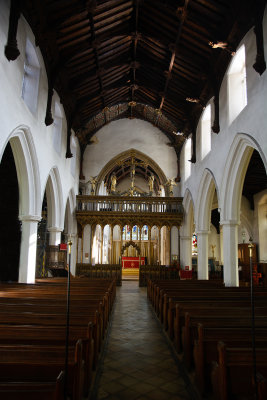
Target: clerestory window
pixel 57 128
pixel 237 84
pixel 206 132
pixel 187 157
pixel 31 77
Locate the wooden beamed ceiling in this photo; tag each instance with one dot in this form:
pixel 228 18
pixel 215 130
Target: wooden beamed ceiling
pixel 112 59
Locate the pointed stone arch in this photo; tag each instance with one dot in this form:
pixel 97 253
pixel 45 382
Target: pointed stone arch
pixel 187 230
pixel 231 193
pixel 189 212
pixel 28 174
pixel 234 175
pixel 128 244
pixel 207 188
pixel 55 217
pixel 125 155
pixel 30 205
pixel 70 208
pixel 206 192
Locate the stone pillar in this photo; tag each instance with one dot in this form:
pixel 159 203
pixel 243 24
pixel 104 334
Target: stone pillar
pixel 91 243
pixel 169 241
pixel 82 244
pixel 186 251
pixel 54 236
pixel 140 244
pixel 111 244
pixel 230 253
pixel 74 238
pixel 87 243
pixel 149 245
pixel 28 245
pixel 159 249
pixel 52 250
pixel 101 244
pixel 121 245
pixel 203 255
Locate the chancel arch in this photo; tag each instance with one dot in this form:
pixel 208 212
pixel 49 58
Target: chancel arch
pixel 120 166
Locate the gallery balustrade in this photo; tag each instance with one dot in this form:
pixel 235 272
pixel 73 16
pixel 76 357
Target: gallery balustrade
pixel 130 204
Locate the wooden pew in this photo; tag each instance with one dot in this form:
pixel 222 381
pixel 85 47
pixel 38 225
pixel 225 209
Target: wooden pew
pixel 33 363
pixel 54 335
pixel 44 305
pixel 94 303
pixel 196 308
pixel 189 332
pixel 232 375
pixel 206 353
pixel 200 294
pixel 58 320
pixel 33 390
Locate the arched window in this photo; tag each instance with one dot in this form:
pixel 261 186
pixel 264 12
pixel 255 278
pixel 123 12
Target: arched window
pixel 237 85
pixel 206 132
pixel 31 77
pixel 144 235
pixel 73 159
pixel 187 157
pixel 57 128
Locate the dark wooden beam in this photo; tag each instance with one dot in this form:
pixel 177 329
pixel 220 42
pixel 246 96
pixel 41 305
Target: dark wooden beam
pixel 11 49
pixel 48 117
pixel 173 50
pixel 260 64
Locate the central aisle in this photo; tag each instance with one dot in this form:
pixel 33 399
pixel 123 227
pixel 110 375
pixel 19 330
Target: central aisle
pixel 137 362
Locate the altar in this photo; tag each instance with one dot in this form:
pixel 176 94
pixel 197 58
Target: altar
pixel 132 262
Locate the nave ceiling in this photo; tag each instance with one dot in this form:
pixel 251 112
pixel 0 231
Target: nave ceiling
pixel 160 61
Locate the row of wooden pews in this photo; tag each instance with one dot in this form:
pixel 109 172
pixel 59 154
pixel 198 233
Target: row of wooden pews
pixel 210 326
pixel 33 336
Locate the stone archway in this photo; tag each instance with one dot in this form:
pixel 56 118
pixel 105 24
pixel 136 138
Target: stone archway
pixel 128 244
pixel 231 193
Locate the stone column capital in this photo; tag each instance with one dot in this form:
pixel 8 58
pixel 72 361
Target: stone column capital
pixel 203 232
pixel 230 222
pixel 185 237
pixel 55 229
pixel 30 218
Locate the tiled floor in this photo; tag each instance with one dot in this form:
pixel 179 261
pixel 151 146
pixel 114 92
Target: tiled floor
pixel 137 362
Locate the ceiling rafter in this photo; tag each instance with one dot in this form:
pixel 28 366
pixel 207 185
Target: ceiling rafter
pixel 152 54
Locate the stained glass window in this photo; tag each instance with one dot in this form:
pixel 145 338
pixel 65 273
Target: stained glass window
pixel 144 235
pixel 194 244
pixel 134 233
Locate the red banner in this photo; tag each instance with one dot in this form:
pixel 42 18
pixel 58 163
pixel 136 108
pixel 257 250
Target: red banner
pixel 132 262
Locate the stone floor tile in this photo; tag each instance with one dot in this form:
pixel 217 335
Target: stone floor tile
pixel 137 363
pixel 127 394
pixel 158 395
pixel 112 387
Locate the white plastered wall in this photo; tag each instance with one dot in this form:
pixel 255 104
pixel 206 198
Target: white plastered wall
pixel 30 138
pixel 125 134
pixel 247 131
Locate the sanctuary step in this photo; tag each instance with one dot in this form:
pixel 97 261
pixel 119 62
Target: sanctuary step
pixel 130 274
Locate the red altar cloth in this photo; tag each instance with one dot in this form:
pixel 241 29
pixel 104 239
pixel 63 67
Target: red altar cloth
pixel 132 262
